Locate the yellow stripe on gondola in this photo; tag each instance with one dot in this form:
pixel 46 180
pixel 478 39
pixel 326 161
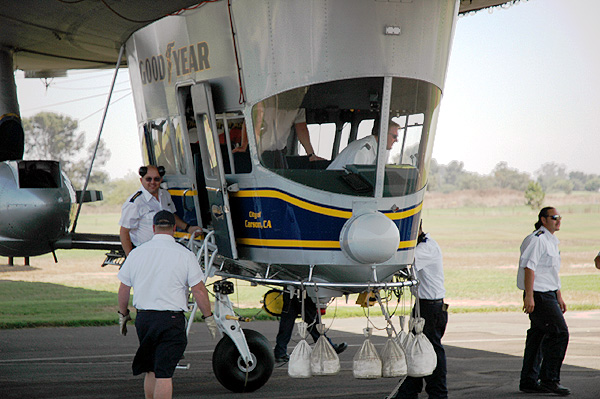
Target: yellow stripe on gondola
pixel 407 244
pixel 179 193
pixel 260 242
pixel 294 201
pixel 318 208
pixel 181 234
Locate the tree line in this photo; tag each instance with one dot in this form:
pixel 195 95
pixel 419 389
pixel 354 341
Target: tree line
pixel 551 177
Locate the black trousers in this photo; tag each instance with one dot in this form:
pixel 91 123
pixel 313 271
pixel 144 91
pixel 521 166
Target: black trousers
pixel 547 340
pixel 292 307
pixel 436 319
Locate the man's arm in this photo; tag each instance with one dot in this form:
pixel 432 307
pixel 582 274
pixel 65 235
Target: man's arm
pixel 125 240
pixel 182 225
pixel 304 139
pixel 201 295
pixel 528 302
pixel 561 303
pixel 244 145
pixel 124 291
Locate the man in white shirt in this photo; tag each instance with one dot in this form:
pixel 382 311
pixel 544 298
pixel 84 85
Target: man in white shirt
pixel 273 126
pixel 430 273
pixel 364 151
pixel 139 209
pixel 548 335
pixel 160 272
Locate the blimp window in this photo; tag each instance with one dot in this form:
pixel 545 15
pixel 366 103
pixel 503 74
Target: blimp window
pixel 235 159
pixel 327 135
pixel 39 174
pixel 166 145
pixel 211 164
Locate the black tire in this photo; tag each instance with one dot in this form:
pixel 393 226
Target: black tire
pixel 230 370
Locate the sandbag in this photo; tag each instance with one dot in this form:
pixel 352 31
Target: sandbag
pixel 367 363
pixel 420 355
pixel 323 359
pixel 402 335
pixel 393 358
pixel 299 364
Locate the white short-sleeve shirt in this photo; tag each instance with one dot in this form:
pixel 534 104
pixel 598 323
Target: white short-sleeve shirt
pixel 430 269
pixel 160 272
pixel 276 127
pixel 359 152
pixel 540 253
pixel 139 210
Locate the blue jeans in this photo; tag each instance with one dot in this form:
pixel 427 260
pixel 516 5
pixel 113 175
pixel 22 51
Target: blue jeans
pixel 436 319
pixel 547 340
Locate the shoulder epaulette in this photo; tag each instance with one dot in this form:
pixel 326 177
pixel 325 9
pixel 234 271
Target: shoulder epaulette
pixel 539 233
pixel 135 196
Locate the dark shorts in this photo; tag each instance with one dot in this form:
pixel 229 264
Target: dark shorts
pixel 162 342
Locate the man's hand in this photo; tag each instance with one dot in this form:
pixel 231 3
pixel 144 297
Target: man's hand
pixel 212 326
pixel 528 303
pixel 123 319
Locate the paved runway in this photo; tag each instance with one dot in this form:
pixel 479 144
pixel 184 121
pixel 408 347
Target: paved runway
pixel 484 359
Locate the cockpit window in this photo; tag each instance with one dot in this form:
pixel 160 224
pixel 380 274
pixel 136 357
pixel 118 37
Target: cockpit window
pixel 339 122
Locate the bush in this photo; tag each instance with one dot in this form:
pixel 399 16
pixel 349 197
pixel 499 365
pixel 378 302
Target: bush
pixel 534 195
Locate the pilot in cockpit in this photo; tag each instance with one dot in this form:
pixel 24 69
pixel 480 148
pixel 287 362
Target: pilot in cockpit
pixel 364 151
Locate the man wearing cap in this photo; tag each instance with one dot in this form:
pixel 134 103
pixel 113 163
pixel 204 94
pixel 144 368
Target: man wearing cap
pixel 139 209
pixel 160 272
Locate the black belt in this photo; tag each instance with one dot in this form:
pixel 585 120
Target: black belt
pixel 159 311
pixel 432 300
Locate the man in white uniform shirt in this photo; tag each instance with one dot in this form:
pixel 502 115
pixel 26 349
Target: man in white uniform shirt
pixel 139 209
pixel 431 292
pixel 548 336
pixel 160 272
pixel 364 151
pixel 273 126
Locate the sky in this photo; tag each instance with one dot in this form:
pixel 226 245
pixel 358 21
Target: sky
pixel 522 87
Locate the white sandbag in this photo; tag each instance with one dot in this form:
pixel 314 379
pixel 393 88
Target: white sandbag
pixel 409 334
pixel 402 335
pixel 420 355
pixel 323 359
pixel 393 358
pixel 367 363
pixel 408 341
pixel 299 364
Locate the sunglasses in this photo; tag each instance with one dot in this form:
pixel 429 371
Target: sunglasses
pixel 149 179
pixel 555 217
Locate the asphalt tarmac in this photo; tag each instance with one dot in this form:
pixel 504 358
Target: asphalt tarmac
pixel 483 350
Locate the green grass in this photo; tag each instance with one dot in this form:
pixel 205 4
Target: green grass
pixel 24 304
pixel 480 246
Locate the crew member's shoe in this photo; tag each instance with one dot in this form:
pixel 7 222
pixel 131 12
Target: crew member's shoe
pixel 532 388
pixel 282 359
pixel 339 348
pixel 555 387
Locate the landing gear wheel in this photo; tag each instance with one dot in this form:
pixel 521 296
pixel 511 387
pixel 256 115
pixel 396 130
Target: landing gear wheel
pixel 231 370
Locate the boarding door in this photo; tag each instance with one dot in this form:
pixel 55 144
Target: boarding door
pixel 214 174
